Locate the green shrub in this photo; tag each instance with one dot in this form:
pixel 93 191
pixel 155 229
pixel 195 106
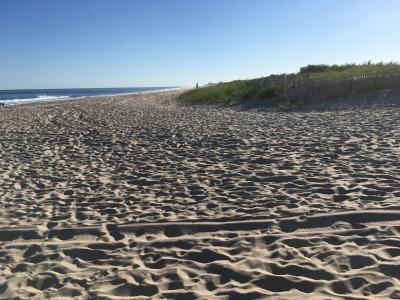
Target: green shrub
pixel 314 68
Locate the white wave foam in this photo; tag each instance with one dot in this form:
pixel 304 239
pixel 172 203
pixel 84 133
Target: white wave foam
pixel 47 98
pixel 40 98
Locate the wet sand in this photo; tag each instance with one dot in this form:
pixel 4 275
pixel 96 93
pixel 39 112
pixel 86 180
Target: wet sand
pixel 136 197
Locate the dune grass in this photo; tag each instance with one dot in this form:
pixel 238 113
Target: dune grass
pixel 335 72
pixel 238 90
pixel 276 86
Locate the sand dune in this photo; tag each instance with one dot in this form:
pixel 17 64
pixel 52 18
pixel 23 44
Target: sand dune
pixel 136 197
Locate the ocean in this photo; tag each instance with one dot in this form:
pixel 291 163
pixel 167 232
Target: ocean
pixel 10 97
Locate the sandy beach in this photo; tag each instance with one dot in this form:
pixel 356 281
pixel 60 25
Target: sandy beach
pixel 138 197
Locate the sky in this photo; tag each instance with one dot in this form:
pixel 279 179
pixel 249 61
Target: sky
pixel 129 43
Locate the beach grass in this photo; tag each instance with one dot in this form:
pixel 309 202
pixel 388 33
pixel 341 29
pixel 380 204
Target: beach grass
pixel 238 90
pixel 321 80
pixel 336 72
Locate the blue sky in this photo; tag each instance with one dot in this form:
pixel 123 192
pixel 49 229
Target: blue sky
pixel 104 43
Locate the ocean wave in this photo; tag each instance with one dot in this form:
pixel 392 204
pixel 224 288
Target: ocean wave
pixel 39 98
pixel 79 94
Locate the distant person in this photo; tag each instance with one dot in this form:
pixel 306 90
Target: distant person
pixel 1 104
pixel 197 85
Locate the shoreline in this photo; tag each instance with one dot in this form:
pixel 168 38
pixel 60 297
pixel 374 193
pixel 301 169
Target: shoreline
pixel 58 99
pixel 379 98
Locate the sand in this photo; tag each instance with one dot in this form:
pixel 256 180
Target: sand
pixel 136 197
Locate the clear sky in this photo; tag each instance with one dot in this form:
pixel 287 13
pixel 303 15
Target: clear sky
pixel 119 43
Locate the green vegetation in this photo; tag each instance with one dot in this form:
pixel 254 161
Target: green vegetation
pixel 324 68
pixel 226 93
pixel 335 72
pixel 312 83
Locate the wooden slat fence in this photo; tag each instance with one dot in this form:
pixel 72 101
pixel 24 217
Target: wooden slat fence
pixel 302 87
